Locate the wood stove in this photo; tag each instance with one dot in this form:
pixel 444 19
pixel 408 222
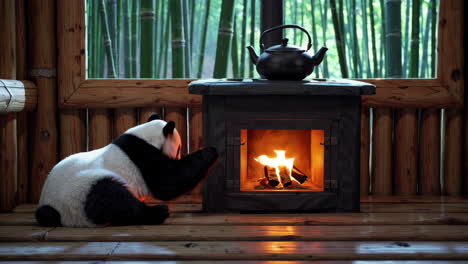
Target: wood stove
pixel 284 145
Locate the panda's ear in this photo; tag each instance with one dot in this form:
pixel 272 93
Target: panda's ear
pixel 169 128
pixel 153 116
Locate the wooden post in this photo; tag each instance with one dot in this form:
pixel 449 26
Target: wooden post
pixel 429 156
pixel 178 115
pixel 365 149
pixel 196 143
pixel 145 112
pixel 406 154
pixel 72 132
pixel 8 137
pixel 124 118
pixel 100 128
pixel 453 153
pixel 382 152
pixel 41 33
pixel 22 117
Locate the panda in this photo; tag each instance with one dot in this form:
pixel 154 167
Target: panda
pixel 105 186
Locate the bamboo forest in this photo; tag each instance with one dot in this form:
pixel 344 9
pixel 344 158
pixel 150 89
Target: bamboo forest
pixel 207 38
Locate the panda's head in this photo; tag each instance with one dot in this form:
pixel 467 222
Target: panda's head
pixel 161 134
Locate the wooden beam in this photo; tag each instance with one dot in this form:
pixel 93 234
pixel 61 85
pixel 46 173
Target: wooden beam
pixel 453 153
pixel 8 137
pixel 382 168
pixel 365 151
pixel 100 128
pixel 72 132
pixel 406 152
pixel 16 96
pixel 429 152
pixel 41 32
pixel 22 117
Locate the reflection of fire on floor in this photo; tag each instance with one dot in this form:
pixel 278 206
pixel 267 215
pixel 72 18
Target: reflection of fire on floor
pixel 280 172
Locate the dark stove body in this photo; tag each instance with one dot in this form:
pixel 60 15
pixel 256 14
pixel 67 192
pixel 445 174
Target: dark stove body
pixel 333 106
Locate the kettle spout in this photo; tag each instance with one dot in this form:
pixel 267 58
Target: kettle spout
pixel 253 55
pixel 318 57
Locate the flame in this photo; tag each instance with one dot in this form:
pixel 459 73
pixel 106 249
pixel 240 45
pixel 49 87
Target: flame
pixel 276 162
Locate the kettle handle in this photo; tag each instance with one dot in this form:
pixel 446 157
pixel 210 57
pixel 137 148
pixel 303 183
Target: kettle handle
pixel 281 27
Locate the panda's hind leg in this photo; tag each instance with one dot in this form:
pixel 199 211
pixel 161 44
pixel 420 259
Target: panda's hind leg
pixel 109 201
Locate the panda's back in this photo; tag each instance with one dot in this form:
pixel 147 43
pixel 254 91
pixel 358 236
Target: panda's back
pixel 68 184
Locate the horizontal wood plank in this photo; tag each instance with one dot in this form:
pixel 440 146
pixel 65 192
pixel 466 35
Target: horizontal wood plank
pixel 28 219
pixel 235 250
pixel 242 233
pixel 414 207
pixel 237 262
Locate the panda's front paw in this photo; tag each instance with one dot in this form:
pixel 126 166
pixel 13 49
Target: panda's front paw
pixel 210 155
pixel 157 214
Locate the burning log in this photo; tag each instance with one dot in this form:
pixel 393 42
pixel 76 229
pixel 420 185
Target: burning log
pixel 284 175
pixel 270 175
pixel 298 175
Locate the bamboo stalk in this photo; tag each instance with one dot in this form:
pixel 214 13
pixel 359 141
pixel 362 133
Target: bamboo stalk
pixel 42 29
pixel 178 41
pixel 406 156
pixel 234 55
pixel 366 53
pixel 382 152
pixel 323 14
pixel 406 43
pixel 373 37
pixel 355 44
pixel 252 33
pixel 135 37
pixel 160 37
pixel 429 146
pixel 414 52
pixel 203 39
pixel 147 18
pixel 393 39
pixel 314 32
pixel 100 128
pixel 127 43
pixel 113 29
pixel 107 40
pixel 453 153
pixel 225 33
pixel 166 41
pixel 340 42
pixel 187 47
pixel 365 150
pixel 243 38
pixel 434 9
pixel 425 46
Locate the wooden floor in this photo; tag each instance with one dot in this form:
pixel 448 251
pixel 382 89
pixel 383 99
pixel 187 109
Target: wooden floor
pixel 389 228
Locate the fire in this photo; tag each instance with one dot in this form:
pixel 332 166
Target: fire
pixel 277 162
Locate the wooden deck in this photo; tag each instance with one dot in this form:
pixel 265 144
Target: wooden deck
pixel 395 228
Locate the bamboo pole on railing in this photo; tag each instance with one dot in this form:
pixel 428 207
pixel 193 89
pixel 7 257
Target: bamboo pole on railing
pixel 43 49
pixel 453 153
pixel 429 156
pixel 124 118
pixel 382 152
pixel 8 137
pixel 365 150
pixel 406 152
pixel 179 116
pixel 100 128
pixel 22 117
pixel 72 132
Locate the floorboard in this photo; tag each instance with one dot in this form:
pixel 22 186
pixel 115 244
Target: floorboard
pixel 402 229
pixel 235 250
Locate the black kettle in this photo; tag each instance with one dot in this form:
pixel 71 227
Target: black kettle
pixel 285 62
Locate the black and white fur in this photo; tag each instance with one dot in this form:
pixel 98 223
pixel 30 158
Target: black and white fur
pixel 103 186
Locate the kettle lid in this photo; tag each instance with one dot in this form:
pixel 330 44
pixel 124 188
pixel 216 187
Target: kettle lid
pixel 284 47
